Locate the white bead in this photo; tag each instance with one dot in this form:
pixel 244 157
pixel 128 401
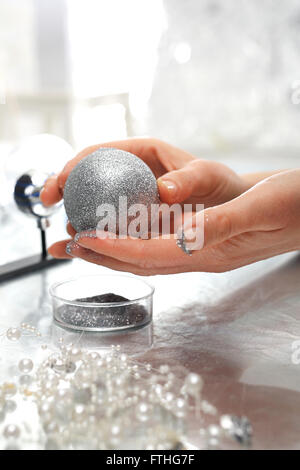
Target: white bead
pixel 25 365
pixel 75 353
pixel 13 334
pixel 50 427
pixel 208 408
pixel 213 442
pixel 9 406
pixel 193 383
pixel 164 369
pixel 11 430
pixel 214 430
pixel 226 422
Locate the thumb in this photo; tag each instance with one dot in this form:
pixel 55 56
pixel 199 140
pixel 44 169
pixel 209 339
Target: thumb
pixel 252 211
pixel 178 185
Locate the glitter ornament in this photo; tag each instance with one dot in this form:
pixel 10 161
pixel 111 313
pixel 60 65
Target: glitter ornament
pixel 103 177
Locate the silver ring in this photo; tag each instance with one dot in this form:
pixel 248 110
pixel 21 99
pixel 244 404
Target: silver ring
pixel 180 242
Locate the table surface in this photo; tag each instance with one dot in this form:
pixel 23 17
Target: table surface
pixel 239 329
pixel 236 329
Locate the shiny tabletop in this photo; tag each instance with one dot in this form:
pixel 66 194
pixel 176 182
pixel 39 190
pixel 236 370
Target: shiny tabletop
pixel 240 330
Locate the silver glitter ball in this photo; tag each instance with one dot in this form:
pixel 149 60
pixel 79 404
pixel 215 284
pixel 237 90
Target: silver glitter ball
pixel 102 178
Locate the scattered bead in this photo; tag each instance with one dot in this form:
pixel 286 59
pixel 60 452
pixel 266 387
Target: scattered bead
pixel 25 365
pixel 9 406
pixel 11 430
pixel 85 400
pixel 13 334
pixel 238 427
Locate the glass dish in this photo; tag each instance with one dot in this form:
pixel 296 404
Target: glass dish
pixel 76 303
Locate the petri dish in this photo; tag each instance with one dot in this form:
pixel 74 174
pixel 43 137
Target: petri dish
pixel 102 303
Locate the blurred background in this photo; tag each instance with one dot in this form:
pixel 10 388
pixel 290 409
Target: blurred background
pixel 219 79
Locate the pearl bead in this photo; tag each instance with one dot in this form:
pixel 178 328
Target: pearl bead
pixel 75 353
pixel 9 406
pixel 213 442
pixel 94 356
pixel 208 408
pixel 25 380
pixel 11 430
pixel 13 334
pixel 214 430
pixel 123 357
pixel 193 383
pixel 85 400
pixel 26 365
pixel 226 422
pixel 180 407
pixel 164 369
pixel 50 427
pixel 79 413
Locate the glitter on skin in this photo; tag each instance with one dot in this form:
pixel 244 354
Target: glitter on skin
pixel 102 178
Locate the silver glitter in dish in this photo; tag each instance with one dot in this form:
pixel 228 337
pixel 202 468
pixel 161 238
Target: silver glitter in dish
pixel 102 178
pixel 104 318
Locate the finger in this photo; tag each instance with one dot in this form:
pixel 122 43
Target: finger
pixel 70 230
pixel 58 250
pixel 199 177
pixel 147 254
pixel 51 193
pixel 178 185
pixel 254 210
pixel 147 150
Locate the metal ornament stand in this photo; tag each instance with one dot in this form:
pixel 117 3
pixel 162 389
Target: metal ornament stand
pixel 27 198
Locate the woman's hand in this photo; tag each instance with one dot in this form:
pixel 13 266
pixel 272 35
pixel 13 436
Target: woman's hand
pixel 182 178
pixel 262 222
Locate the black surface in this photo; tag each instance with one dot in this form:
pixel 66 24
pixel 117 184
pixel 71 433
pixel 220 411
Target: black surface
pixel 26 266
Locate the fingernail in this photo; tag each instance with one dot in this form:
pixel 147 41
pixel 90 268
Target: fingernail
pixel 71 246
pixel 170 185
pixel 85 234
